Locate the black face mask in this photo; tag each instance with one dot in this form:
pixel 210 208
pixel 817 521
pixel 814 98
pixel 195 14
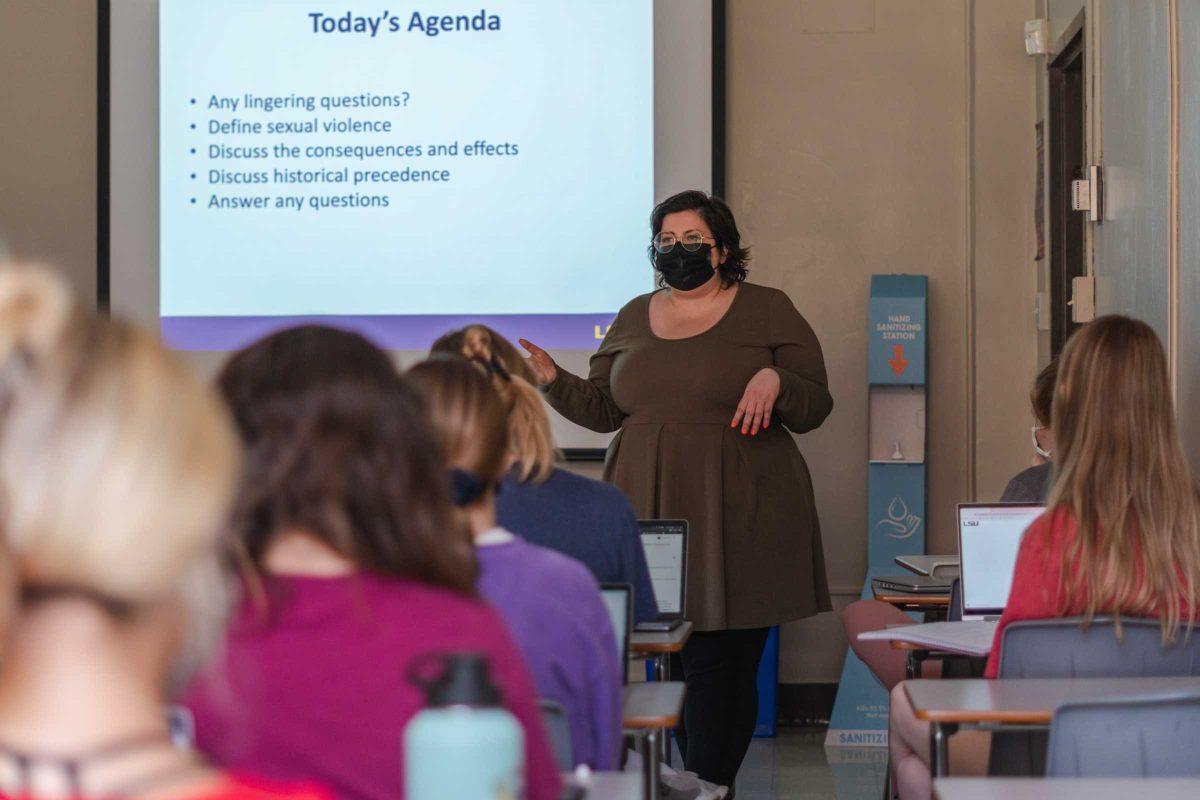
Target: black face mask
pixel 683 269
pixel 465 488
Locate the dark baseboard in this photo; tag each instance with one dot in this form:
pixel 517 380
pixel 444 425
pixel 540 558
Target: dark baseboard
pixel 802 705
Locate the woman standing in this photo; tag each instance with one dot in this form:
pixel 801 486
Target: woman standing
pixel 693 376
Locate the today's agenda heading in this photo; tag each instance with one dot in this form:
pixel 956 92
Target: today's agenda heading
pixel 387 22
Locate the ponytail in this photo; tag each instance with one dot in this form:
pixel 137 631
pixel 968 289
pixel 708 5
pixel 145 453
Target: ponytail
pixel 530 442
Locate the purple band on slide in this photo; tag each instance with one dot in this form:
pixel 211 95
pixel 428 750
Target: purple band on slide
pixel 393 332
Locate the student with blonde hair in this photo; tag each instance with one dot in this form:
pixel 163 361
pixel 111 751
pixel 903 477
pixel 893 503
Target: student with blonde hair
pixel 588 520
pixel 360 572
pixel 1121 534
pixel 551 603
pixel 116 468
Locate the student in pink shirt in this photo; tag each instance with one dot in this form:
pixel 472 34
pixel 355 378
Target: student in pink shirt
pixel 1121 535
pixel 358 568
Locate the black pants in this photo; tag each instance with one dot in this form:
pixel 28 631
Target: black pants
pixel 721 704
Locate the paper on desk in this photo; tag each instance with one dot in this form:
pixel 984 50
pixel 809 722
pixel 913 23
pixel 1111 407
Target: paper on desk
pixel 970 638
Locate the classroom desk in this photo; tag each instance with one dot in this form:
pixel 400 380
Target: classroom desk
pixel 929 602
pixel 917 654
pixel 928 565
pixel 609 785
pixel 939 641
pixel 659 646
pixel 648 710
pixel 1065 788
pixel 1023 704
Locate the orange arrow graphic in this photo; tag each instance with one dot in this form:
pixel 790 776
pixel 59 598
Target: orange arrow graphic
pixel 897 360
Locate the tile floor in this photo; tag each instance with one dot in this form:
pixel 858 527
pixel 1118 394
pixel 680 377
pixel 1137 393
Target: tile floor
pixel 796 766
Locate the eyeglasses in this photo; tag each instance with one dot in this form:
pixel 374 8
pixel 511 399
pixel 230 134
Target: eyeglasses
pixel 691 241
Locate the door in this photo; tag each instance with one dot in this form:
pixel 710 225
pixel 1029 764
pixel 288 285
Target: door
pixel 1067 162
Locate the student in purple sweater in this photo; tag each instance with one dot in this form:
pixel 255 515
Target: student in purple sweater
pixel 359 568
pixel 588 520
pixel 551 603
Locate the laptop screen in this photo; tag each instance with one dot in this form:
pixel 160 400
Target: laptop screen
pixel 664 541
pixel 988 538
pixel 620 611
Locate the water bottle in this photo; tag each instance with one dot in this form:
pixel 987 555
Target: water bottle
pixel 464 745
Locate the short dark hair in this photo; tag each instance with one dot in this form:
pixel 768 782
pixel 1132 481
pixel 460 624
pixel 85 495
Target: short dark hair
pixel 339 445
pixel 1042 395
pixel 719 219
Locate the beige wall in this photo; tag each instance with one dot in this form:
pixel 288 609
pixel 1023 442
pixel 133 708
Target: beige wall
pixel 48 134
pixel 1006 275
pixel 859 134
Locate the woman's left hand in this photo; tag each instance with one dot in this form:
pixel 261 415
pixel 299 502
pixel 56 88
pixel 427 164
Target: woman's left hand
pixel 758 401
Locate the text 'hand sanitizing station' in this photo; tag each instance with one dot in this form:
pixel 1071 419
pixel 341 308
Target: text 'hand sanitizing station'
pixel 897 354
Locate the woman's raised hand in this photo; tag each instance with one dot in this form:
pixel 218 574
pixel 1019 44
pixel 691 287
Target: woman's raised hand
pixel 543 365
pixel 758 401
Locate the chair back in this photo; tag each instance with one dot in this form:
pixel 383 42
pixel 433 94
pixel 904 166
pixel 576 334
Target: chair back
pixel 1135 737
pixel 1064 648
pixel 558 731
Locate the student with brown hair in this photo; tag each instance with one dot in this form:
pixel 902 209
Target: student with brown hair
pixel 116 468
pixel 550 602
pixel 1033 484
pixel 359 570
pixel 1121 534
pixel 588 520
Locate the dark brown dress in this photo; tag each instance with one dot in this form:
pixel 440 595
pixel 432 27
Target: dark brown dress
pixel 755 555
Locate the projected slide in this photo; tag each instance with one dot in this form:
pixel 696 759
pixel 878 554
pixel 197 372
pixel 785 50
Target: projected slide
pixel 403 168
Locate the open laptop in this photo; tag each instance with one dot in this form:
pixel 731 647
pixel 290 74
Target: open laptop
pixel 665 544
pixel 618 598
pixel 989 535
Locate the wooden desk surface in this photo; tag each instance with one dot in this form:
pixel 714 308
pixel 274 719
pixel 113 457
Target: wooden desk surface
pixel 899 645
pixel 1064 788
pixel 1027 701
pixel 652 705
pixel 911 599
pixel 611 785
pixel 653 643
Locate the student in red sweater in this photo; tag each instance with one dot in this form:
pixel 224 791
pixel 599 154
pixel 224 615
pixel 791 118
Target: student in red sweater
pixel 1122 531
pixel 359 569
